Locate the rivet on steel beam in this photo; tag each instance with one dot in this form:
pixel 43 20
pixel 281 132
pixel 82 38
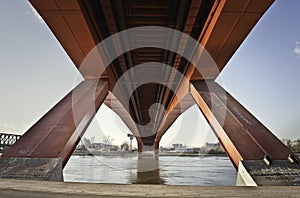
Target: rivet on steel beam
pixel 293 159
pixel 267 160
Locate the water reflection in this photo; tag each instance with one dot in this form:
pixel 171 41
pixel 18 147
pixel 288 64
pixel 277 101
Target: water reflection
pixel 148 171
pixel 168 170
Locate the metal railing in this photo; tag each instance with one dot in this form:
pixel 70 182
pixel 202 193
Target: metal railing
pixel 7 140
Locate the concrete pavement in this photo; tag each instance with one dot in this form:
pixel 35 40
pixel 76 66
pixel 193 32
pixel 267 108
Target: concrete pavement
pixel 12 188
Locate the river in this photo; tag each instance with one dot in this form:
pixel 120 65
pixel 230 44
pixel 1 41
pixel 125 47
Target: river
pixel 205 171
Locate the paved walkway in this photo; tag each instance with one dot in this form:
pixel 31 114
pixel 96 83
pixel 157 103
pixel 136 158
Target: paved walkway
pixel 25 188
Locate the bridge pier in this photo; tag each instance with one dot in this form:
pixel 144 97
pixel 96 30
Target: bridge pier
pixel 46 147
pixel 278 173
pixel 259 156
pixel 148 164
pixel 148 151
pixel 148 171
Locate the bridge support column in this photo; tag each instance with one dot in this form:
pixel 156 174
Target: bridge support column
pixel 43 151
pixel 148 165
pixel 246 141
pixel 148 171
pixel 148 151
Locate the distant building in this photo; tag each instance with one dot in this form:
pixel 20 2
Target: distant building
pixel 177 146
pixel 97 145
pixel 212 147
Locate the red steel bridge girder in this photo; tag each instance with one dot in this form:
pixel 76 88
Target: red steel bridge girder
pixel 56 134
pixel 241 134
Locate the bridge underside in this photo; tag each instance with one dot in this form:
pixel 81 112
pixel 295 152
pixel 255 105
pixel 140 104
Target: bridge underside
pixel 220 26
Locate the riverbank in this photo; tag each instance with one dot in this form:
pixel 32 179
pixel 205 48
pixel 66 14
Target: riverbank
pixel 192 154
pixel 26 188
pixel 134 153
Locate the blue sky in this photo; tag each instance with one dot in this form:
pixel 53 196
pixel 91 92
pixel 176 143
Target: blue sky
pixel 263 75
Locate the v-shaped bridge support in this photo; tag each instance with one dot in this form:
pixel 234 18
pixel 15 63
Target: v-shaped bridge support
pixel 45 148
pixel 260 157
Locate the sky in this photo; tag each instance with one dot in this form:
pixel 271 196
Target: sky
pixel 264 75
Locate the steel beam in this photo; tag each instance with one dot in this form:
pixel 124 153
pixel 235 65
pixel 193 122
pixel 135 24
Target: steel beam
pixel 241 134
pixel 56 134
pixel 260 157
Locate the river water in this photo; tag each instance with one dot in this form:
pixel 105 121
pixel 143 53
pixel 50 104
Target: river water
pixel 205 171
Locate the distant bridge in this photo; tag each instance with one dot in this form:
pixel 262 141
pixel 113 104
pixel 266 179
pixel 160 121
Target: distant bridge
pixel 7 140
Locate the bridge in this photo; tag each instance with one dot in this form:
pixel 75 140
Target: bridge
pixel 149 61
pixel 7 140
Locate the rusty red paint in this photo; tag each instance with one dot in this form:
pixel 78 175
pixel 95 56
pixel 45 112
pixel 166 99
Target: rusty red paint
pixel 242 135
pixel 56 134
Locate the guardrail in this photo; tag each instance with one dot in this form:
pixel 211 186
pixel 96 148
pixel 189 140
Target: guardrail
pixel 7 140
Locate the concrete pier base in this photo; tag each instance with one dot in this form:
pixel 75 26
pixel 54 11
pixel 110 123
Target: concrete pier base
pixel 277 173
pixel 148 171
pixel 48 169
